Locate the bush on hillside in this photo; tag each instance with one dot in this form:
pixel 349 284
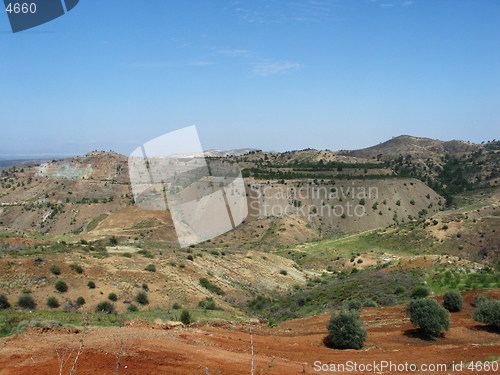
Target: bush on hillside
pixel 80 301
pixel 420 292
pixel 55 269
pixel 91 285
pixel 488 312
pixel 453 301
pixel 61 286
pixel 52 302
pixel 428 316
pixel 77 268
pixel 4 302
pixel 105 307
pixel 185 317
pixel 479 299
pixel 346 331
pixel 150 268
pixel 26 301
pixel 112 297
pixel 211 287
pixel 142 298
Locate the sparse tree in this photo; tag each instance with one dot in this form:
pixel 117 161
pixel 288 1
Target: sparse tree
pixel 4 302
pixel 488 311
pixel 429 316
pixel 185 317
pixel 453 301
pixel 346 331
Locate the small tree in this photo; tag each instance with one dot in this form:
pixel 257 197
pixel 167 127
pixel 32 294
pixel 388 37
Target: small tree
pixel 346 331
pixel 488 311
pixel 91 285
pixel 142 298
pixel 112 297
pixel 479 299
pixel 185 317
pixel 105 307
pixel 150 268
pixel 4 302
pixel 26 301
pixel 429 316
pixel 132 308
pixel 420 292
pixel 61 286
pixel 453 301
pixel 55 269
pixel 77 268
pixel 52 302
pixel 80 301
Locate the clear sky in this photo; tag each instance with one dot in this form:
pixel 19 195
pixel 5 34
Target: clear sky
pixel 269 74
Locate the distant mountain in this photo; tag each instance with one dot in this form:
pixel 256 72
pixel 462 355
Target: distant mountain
pixel 11 162
pixel 406 144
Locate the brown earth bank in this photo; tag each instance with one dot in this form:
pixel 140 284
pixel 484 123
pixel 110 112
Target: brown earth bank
pixel 226 347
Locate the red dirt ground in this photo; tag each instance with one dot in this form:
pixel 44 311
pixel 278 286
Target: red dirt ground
pixel 224 348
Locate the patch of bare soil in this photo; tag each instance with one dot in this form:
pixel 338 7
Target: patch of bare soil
pixel 225 348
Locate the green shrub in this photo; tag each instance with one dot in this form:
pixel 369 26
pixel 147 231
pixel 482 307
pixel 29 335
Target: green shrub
pixel 4 302
pixel 429 316
pixel 176 306
pixel 26 301
pixel 211 287
pixel 132 308
pixel 145 286
pixel 453 301
pixel 112 297
pixel 346 331
pixel 105 307
pixel 207 304
pixel 150 268
pixel 185 317
pixel 61 286
pixel 91 285
pixel 77 268
pixel 55 269
pixel 127 255
pixel 488 312
pixel 146 254
pixel 113 241
pixel 479 299
pixel 283 272
pixel 80 301
pixel 53 302
pixel 142 298
pixel 420 292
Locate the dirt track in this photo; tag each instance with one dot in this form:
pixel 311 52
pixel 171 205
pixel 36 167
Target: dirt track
pixel 291 348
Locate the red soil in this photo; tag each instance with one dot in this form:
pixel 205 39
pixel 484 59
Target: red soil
pixel 225 348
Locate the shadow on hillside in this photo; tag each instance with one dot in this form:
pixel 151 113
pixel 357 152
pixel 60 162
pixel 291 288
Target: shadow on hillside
pixel 484 328
pixel 416 333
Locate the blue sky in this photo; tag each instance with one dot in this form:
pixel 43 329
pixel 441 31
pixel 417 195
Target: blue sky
pixel 269 74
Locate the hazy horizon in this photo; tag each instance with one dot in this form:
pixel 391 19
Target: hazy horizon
pixel 273 75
